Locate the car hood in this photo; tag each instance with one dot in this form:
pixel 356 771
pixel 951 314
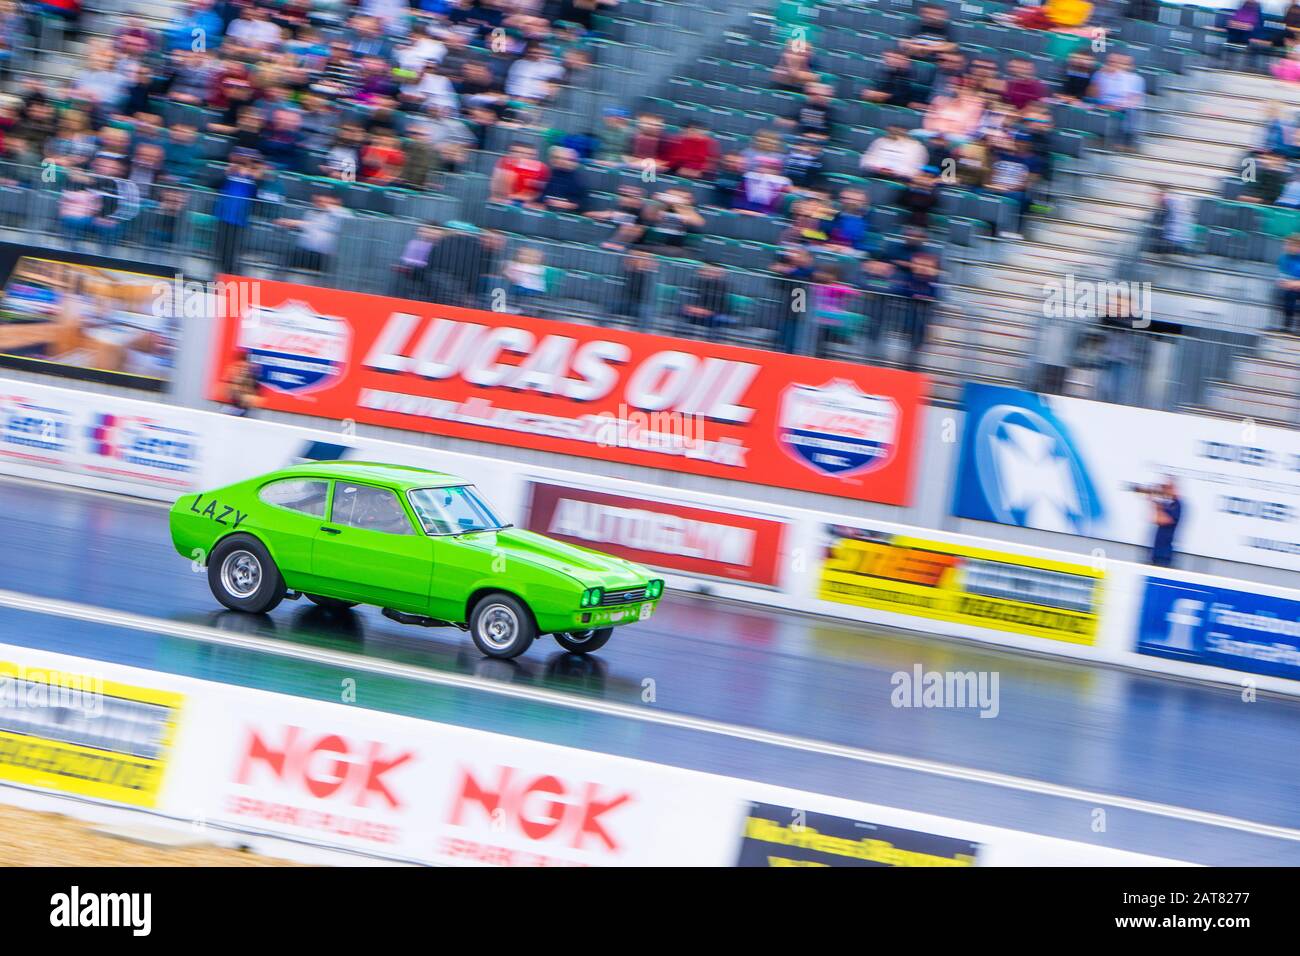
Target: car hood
pixel 590 568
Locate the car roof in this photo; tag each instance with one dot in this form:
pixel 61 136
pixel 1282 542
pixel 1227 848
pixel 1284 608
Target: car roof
pixel 396 476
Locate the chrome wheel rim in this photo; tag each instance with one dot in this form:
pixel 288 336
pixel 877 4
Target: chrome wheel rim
pixel 498 626
pixel 241 574
pixel 579 637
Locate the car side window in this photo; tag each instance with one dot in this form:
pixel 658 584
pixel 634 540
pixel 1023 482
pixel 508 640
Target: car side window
pixel 374 509
pixel 304 495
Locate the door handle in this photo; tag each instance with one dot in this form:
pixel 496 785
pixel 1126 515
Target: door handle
pixel 329 530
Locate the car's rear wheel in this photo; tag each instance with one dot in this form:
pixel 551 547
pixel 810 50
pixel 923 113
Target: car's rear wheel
pixel 501 626
pixel 584 642
pixel 329 603
pixel 243 576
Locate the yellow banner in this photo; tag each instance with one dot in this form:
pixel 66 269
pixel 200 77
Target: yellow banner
pixel 80 734
pixel 1038 597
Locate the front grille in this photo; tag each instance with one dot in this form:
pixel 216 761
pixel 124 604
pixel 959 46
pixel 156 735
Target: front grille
pixel 626 596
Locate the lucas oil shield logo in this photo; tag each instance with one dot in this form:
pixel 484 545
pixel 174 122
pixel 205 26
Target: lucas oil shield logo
pixel 293 348
pixel 837 429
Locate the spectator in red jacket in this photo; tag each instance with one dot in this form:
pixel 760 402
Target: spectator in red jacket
pixel 383 159
pixel 649 147
pixel 693 153
pixel 1023 87
pixel 519 176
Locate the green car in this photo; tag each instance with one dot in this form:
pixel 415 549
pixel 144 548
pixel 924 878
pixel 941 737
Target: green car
pixel 422 545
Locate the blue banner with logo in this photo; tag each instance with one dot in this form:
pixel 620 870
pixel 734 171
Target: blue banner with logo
pixel 1021 465
pixel 1223 627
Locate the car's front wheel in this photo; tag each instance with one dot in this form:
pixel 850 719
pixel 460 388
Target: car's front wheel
pixel 243 576
pixel 584 642
pixel 501 626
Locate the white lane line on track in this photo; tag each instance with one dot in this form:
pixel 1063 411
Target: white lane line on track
pixel 211 635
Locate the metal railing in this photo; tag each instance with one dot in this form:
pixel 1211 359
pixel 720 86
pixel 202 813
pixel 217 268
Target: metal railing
pixel 200 234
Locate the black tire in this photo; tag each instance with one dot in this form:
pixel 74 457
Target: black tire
pixel 329 603
pixel 576 643
pixel 243 577
pixel 501 626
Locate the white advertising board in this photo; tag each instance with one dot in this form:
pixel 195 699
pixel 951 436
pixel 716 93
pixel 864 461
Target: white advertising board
pixel 1075 466
pixel 384 787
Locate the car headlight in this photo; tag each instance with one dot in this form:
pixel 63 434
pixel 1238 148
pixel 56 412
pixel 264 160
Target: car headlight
pixel 654 589
pixel 591 597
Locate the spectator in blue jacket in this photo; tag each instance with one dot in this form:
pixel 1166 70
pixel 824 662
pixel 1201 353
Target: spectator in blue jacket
pixel 198 28
pixel 234 207
pixel 1288 282
pixel 182 159
pixel 729 183
pixel 851 227
pixel 1280 136
pixel 920 283
pixel 793 270
pixel 566 190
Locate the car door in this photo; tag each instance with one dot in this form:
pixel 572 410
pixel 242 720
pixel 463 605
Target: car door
pixel 369 550
pixel 293 522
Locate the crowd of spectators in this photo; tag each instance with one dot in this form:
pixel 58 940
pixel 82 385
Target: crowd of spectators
pixel 388 94
pixel 379 93
pixel 984 129
pixel 1267 176
pixel 1264 37
pixel 1270 179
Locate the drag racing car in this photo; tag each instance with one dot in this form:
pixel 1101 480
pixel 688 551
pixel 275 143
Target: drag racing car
pixel 422 545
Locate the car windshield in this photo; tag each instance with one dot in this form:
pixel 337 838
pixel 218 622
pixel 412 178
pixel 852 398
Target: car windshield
pixel 453 510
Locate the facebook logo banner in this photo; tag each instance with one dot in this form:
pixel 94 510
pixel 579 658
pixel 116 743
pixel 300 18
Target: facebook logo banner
pixel 1221 627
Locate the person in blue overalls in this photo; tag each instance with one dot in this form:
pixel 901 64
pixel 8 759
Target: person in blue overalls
pixel 1168 511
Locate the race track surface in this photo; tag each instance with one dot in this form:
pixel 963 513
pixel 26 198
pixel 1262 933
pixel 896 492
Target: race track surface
pixel 1154 753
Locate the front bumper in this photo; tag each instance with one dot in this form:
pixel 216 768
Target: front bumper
pixel 612 616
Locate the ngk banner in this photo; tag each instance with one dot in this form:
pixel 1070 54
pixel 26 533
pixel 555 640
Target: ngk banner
pixel 676 537
pixel 429 792
pixel 749 415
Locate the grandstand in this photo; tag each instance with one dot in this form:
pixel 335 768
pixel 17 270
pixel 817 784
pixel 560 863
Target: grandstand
pixel 725 241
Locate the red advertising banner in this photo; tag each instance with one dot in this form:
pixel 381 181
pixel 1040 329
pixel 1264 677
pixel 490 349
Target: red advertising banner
pixel 698 407
pixel 676 537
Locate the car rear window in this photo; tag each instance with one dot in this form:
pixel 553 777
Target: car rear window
pixel 305 495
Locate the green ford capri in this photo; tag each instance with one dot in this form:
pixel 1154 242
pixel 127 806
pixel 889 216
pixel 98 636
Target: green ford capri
pixel 422 545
